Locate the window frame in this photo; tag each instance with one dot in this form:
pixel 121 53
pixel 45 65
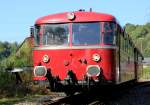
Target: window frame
pixel 68 36
pixel 114 42
pixel 37 34
pixel 100 35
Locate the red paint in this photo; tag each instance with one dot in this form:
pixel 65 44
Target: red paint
pixel 80 17
pixel 39 78
pixel 58 57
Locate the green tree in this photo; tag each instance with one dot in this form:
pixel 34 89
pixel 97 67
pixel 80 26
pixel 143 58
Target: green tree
pixel 129 28
pixel 140 34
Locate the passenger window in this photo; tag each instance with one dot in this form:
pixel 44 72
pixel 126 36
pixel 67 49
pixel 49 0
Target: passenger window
pixel 109 33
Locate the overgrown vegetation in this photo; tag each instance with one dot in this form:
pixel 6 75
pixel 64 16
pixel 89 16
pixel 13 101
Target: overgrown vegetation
pixel 11 55
pixel 145 73
pixel 14 55
pixel 141 36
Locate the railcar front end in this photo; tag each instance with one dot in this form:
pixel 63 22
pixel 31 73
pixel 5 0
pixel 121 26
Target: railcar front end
pixel 79 48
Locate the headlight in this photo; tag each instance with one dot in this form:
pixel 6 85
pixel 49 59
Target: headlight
pixel 93 70
pixel 40 71
pixel 45 58
pixel 96 57
pixel 71 16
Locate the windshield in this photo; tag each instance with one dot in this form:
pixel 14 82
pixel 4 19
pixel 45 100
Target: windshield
pixel 109 33
pixel 86 33
pixel 55 34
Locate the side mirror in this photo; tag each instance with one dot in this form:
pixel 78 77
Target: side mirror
pixel 31 31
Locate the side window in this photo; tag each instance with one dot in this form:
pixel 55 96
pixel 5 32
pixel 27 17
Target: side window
pixel 118 35
pixel 122 41
pixel 126 42
pixel 109 33
pixel 37 36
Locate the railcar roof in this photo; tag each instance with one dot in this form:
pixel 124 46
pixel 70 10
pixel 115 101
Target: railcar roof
pixel 80 16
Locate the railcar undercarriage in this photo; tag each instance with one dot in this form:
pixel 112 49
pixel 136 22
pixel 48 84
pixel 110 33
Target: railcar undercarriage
pixel 70 85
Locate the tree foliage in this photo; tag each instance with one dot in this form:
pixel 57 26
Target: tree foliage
pixel 15 55
pixel 141 36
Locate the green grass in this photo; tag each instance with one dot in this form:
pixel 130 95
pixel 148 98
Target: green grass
pixel 146 73
pixel 13 100
pixel 11 93
pixel 10 101
pixel 14 94
pixel 146 69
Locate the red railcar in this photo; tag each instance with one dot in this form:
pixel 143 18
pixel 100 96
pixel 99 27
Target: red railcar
pixel 83 48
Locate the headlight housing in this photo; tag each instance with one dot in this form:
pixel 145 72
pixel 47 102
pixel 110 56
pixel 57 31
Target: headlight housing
pixel 93 70
pixel 40 71
pixel 45 58
pixel 96 57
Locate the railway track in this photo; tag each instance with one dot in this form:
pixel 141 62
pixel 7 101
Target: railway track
pixel 65 100
pixel 95 97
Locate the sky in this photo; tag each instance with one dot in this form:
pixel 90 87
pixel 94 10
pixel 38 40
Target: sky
pixel 16 16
